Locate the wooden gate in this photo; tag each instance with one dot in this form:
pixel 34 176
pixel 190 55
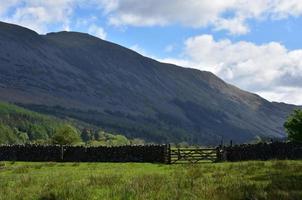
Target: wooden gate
pixel 193 155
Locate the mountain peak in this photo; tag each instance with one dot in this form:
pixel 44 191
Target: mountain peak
pixel 71 74
pixel 73 38
pixel 70 35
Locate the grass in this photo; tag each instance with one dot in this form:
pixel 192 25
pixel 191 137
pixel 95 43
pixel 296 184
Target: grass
pixel 240 180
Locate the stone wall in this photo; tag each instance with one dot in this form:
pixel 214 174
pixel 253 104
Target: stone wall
pixel 146 153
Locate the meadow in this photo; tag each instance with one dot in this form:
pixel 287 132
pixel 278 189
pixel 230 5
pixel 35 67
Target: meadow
pixel 238 180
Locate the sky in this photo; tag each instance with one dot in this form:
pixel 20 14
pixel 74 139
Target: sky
pixel 255 45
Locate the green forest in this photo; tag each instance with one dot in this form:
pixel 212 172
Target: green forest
pixel 21 126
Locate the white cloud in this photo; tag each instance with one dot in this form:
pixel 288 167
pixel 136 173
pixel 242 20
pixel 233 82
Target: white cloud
pixel 284 94
pixel 6 5
pixel 234 26
pixel 285 8
pixel 97 31
pixel 269 69
pixel 38 15
pixel 42 16
pixel 157 12
pixel 231 15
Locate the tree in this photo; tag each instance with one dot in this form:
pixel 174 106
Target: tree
pixel 87 135
pixel 119 140
pixel 107 139
pixel 66 135
pixel 37 132
pixel 7 135
pixel 293 126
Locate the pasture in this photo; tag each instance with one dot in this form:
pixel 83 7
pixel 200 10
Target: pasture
pixel 238 180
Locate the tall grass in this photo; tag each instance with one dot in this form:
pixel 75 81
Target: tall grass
pixel 241 180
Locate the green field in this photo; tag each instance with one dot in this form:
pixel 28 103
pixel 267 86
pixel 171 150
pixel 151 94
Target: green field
pixel 241 180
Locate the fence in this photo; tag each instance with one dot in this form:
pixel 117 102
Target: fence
pixel 146 153
pixel 193 155
pixel 262 151
pixel 150 153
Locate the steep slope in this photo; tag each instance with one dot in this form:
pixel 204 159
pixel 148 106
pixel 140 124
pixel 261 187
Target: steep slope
pixel 78 75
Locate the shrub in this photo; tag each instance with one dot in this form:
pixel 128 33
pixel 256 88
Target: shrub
pixel 66 135
pixel 293 126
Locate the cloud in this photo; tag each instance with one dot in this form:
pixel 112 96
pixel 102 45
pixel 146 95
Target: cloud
pixel 284 94
pixel 6 5
pixel 231 15
pixel 43 16
pixel 268 69
pixel 97 31
pixel 236 26
pixel 155 12
pixel 38 15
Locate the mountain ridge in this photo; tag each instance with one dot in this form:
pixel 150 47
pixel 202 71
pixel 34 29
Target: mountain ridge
pixel 78 75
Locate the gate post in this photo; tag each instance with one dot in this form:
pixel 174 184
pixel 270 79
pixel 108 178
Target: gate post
pixel 62 153
pixel 168 154
pixel 219 153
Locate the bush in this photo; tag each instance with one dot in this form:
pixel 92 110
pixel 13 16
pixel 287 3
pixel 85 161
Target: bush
pixel 107 139
pixel 293 126
pixel 66 135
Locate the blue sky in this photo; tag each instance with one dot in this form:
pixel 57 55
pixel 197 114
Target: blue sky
pixel 255 45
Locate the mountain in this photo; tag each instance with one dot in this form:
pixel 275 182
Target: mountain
pixel 70 74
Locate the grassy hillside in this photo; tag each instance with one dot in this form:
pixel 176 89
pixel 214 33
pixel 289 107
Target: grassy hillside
pixel 242 180
pixel 19 126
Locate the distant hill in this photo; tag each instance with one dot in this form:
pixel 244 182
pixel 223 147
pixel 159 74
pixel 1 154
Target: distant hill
pixel 80 76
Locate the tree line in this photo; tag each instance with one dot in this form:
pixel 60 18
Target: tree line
pixel 21 126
